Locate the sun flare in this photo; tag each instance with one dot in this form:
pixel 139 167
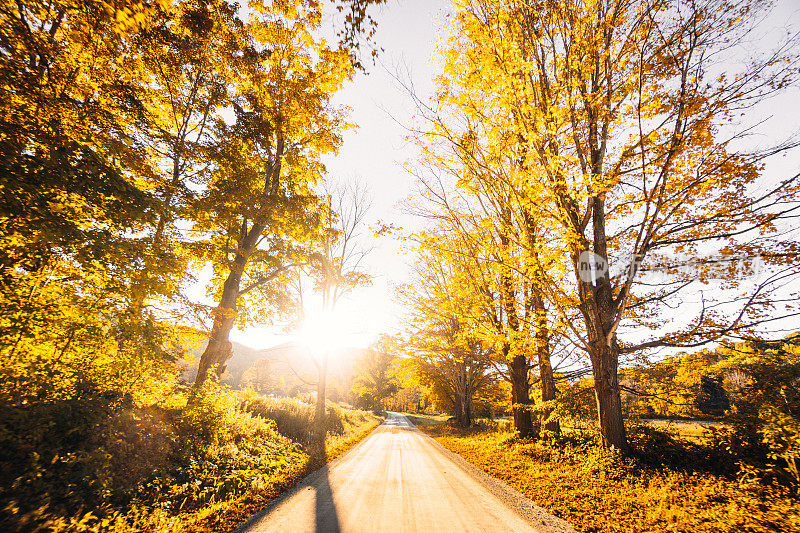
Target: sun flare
pixel 323 332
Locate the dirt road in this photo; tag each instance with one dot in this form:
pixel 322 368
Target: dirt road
pixel 400 480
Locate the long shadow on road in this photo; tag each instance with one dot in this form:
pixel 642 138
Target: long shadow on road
pixel 326 518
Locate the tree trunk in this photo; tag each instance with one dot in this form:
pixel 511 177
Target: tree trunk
pixel 463 409
pixel 520 396
pixel 548 391
pixel 463 398
pixel 599 310
pixel 546 378
pixel 468 409
pixel 607 394
pixel 458 409
pixel 219 348
pixel 319 413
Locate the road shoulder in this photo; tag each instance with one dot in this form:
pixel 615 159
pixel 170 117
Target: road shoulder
pixel 535 515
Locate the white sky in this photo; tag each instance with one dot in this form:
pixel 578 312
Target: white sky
pixel 376 150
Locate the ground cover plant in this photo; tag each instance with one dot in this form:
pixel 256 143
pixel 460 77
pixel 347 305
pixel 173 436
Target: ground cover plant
pixel 103 463
pixel 666 484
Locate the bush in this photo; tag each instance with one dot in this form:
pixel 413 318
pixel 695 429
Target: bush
pixel 88 451
pixel 101 461
pixel 599 490
pixel 295 418
pixel 660 447
pixel 782 436
pixel 765 435
pixel 220 451
pixel 499 425
pixel 98 451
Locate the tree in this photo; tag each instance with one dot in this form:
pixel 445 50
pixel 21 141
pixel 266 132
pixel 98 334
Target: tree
pixel 374 379
pixel 768 397
pixel 443 352
pixel 626 123
pixel 258 205
pixel 76 191
pixel 185 58
pixel 335 270
pixel 65 134
pixel 455 375
pixel 499 254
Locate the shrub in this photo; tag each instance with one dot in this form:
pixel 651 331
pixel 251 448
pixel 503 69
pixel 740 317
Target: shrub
pixel 660 447
pixel 498 425
pixel 782 436
pixel 220 451
pixel 610 463
pixel 294 418
pixel 98 451
pixel 765 437
pixel 88 451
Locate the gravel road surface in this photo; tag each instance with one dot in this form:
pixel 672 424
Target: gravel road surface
pixel 400 480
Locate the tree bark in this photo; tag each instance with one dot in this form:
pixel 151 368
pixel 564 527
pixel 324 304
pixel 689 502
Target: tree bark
pixel 219 349
pixel 548 389
pixel 609 401
pixel 463 401
pixel 599 310
pixel 518 367
pixel 520 397
pixel 319 412
pixel 546 378
pixel 464 411
pixel 462 394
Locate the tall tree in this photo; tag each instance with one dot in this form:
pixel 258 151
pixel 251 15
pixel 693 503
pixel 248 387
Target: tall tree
pixel 76 190
pixel 259 206
pixel 65 132
pixel 627 120
pixel 485 226
pixel 186 58
pixel 445 350
pixel 340 254
pixel 335 269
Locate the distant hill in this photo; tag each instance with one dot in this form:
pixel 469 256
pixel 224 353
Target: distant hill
pixel 283 370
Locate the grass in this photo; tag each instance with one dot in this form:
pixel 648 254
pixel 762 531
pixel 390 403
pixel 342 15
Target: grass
pixel 422 419
pixel 693 430
pixel 597 491
pixel 227 515
pixel 203 467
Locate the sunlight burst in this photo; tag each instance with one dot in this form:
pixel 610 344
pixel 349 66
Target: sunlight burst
pixel 323 332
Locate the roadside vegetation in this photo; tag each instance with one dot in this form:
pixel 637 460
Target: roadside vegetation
pixel 602 242
pixel 592 215
pixel 140 143
pixel 687 470
pixel 101 462
pixel 602 251
pixel 665 484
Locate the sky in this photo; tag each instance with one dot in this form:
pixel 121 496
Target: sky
pixel 375 152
